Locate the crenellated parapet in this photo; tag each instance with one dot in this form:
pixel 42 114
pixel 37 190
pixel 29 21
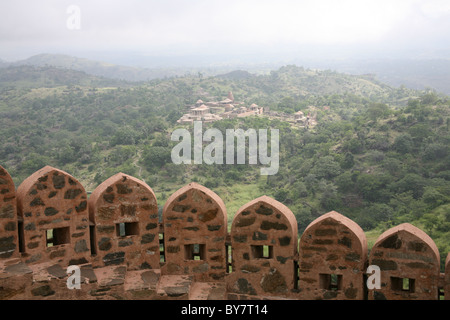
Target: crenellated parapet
pixel 123 249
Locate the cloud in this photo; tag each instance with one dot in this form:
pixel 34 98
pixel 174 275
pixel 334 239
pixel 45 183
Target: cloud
pixel 216 25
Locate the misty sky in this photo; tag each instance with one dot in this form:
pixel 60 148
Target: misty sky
pixel 171 27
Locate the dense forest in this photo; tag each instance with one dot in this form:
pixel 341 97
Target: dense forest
pixel 379 155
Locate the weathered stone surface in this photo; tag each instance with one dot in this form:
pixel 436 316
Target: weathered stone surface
pixel 332 245
pixel 50 211
pixel 245 222
pixel 104 244
pixel 262 236
pixel 208 215
pixel 267 211
pixel 406 252
pixel 81 246
pixel 114 258
pixel 267 225
pixel 43 291
pixel 7 212
pixel 243 286
pixel 126 208
pixel 48 201
pixel 194 212
pixel 7 246
pixel 72 193
pixel 259 236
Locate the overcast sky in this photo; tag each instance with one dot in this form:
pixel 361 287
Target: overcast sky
pixel 167 27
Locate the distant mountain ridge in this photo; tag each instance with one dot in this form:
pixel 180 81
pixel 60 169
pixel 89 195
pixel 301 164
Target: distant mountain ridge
pixel 29 76
pixel 415 74
pixel 96 68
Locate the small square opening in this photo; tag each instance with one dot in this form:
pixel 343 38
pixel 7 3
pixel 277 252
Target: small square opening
pixel 262 252
pixel 403 284
pixel 331 282
pixel 57 236
pixel 162 253
pixel 124 229
pixel 228 258
pixel 194 252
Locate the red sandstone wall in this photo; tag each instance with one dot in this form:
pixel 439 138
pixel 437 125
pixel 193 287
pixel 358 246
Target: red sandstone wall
pixel 52 199
pixel 263 224
pixel 124 214
pixel 194 215
pixel 8 216
pixel 406 252
pixel 195 218
pixel 332 259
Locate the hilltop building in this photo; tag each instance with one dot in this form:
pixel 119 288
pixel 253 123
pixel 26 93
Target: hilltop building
pixel 218 110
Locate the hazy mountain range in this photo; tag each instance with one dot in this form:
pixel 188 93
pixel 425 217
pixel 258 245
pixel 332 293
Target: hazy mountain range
pixel 412 73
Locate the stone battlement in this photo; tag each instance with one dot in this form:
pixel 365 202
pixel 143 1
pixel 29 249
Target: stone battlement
pixel 126 251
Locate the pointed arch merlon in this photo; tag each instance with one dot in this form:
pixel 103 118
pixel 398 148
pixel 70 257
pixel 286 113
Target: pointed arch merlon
pixel 414 240
pixel 124 213
pixel 332 247
pixel 326 225
pixel 406 254
pixel 264 244
pixel 195 229
pixel 8 216
pixel 265 213
pixel 53 206
pixel 196 190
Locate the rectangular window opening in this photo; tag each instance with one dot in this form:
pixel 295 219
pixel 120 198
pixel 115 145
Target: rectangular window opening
pixel 262 252
pixel 229 258
pixel 124 229
pixel 21 236
pixel 331 282
pixel 296 275
pixel 403 284
pixel 57 236
pixel 162 252
pixel 92 240
pixel 194 252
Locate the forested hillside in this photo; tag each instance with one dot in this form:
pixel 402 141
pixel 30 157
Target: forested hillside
pixel 378 154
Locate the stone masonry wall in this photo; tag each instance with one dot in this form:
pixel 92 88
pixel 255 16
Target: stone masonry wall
pixel 124 214
pixel 124 251
pixel 264 247
pixel 195 227
pixel 8 216
pixel 409 263
pixel 332 259
pixel 53 207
